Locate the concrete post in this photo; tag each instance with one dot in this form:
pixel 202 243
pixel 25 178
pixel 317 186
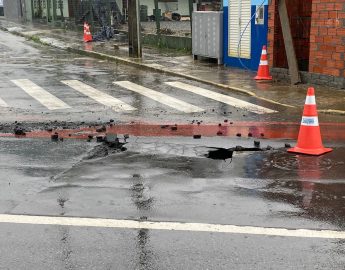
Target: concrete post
pixel 157 18
pixel 134 35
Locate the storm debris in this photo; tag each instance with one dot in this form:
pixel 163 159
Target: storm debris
pixel 100 138
pixel 55 137
pixel 19 131
pixel 110 145
pixel 101 129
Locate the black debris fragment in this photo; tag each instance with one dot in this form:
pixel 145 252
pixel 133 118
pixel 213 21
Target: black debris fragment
pixel 100 139
pixel 101 129
pixel 19 131
pixel 55 137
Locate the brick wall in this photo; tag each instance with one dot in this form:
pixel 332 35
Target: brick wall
pixel 327 38
pixel 324 49
pixel 274 36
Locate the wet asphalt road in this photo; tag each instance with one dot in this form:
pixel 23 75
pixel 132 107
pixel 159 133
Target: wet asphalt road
pixel 169 179
pixel 156 179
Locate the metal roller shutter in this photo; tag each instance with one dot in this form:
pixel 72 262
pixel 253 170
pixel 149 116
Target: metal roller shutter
pixel 239 16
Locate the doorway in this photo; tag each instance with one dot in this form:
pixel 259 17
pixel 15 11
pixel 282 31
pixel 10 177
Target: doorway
pixel 300 22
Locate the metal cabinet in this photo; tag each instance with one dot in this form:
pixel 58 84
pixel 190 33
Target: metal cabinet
pixel 207 38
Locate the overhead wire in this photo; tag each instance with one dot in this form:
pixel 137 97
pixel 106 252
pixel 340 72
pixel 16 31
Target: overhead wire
pixel 241 36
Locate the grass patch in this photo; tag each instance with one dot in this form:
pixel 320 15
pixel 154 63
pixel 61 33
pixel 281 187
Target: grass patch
pixel 34 39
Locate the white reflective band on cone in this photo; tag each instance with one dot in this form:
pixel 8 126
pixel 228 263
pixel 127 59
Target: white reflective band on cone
pixel 311 121
pixel 263 63
pixel 310 100
pixel 264 52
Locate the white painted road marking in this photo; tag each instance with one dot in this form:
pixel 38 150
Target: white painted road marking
pixel 170 226
pixel 105 99
pixel 221 98
pixel 160 97
pixel 3 103
pixel 45 98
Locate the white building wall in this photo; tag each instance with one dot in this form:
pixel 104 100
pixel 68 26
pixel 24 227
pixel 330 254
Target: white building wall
pixel 183 8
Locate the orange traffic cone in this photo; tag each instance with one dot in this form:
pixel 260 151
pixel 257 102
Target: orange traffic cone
pixel 264 70
pixel 87 33
pixel 309 138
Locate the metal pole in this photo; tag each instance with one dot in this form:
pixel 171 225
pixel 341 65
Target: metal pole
pixel 91 22
pixel 108 13
pixel 54 11
pixel 191 15
pixel 75 12
pixel 48 10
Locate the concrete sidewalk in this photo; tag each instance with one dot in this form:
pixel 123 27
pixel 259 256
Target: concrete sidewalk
pixel 329 100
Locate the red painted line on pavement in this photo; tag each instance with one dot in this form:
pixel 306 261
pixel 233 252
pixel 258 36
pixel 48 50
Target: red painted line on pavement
pixel 268 130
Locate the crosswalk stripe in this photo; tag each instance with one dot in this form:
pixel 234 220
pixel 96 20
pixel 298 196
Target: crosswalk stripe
pixel 45 98
pixel 3 103
pixel 221 98
pixel 160 97
pixel 105 99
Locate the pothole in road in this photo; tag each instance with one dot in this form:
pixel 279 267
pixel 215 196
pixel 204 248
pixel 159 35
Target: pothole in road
pixel 227 153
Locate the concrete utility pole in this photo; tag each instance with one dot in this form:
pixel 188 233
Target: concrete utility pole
pixel 288 41
pixel 157 18
pixel 134 35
